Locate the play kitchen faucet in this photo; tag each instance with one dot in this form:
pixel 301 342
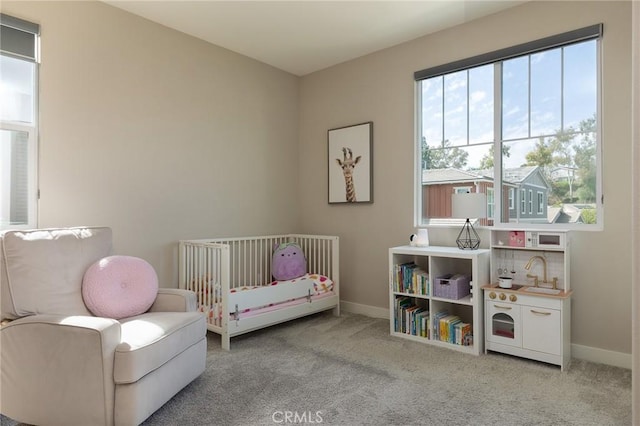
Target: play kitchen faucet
pixel 554 281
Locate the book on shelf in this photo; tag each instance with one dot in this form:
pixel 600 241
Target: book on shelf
pixel 410 278
pixel 401 304
pixel 451 329
pixel 410 318
pixel 446 327
pixel 422 323
pixel 409 314
pixel 462 333
pixel 435 331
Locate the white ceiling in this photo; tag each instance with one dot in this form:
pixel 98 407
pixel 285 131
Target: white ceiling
pixel 301 37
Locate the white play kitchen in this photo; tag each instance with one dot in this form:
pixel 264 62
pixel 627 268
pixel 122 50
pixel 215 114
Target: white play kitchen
pixel 528 302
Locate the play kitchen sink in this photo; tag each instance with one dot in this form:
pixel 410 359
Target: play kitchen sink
pixel 542 290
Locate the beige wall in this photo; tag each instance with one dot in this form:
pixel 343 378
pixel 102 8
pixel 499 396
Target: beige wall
pixel 379 87
pixel 157 134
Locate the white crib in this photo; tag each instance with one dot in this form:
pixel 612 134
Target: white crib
pixel 218 269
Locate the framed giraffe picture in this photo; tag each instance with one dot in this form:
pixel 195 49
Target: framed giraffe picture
pixel 351 164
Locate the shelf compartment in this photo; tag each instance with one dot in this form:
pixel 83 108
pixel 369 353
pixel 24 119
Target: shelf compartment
pixel 411 316
pixel 410 275
pixel 452 323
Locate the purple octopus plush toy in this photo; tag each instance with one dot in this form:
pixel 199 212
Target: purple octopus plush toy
pixel 288 262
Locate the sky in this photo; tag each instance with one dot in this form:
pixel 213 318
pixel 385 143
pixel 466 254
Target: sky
pixel 16 89
pixel 541 94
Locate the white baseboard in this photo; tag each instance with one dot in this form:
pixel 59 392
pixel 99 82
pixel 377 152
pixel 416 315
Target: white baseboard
pixel 587 353
pixel 602 356
pixel 366 310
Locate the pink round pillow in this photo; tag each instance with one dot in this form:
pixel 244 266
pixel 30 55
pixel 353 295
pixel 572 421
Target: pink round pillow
pixel 119 287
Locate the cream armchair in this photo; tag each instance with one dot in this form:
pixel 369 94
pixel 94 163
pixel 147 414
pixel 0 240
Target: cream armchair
pixel 60 365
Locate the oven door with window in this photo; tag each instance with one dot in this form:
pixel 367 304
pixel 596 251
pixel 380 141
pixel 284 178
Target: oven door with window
pixel 503 323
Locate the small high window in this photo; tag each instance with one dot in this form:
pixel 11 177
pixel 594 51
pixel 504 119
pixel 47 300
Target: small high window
pixel 19 43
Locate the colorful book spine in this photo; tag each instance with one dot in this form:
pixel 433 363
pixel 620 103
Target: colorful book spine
pixel 435 330
pixel 462 333
pixel 411 279
pixel 410 318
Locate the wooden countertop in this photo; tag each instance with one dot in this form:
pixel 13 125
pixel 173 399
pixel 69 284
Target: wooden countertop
pixel 522 289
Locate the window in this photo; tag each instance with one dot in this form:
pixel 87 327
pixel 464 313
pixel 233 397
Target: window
pixel 540 203
pixel 18 122
pixel 490 202
pixel 518 118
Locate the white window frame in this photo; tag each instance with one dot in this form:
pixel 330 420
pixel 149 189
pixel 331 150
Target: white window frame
pixel 491 201
pixel 30 128
pixel 540 202
pixel 32 173
pixel 593 32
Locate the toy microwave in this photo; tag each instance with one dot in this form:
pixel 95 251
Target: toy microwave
pixel 536 239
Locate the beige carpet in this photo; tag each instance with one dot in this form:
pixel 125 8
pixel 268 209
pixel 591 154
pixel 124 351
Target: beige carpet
pixel 350 371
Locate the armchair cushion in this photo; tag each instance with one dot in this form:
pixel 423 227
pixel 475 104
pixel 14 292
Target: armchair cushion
pixel 119 287
pixel 42 269
pixel 151 340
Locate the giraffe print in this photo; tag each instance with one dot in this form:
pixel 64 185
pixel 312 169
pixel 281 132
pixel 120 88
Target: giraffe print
pixel 348 164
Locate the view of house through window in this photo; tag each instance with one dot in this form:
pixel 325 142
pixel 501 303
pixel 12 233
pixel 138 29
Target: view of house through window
pixel 18 123
pixel 526 124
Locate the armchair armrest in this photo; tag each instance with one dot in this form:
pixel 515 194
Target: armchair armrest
pixel 50 363
pixel 174 300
